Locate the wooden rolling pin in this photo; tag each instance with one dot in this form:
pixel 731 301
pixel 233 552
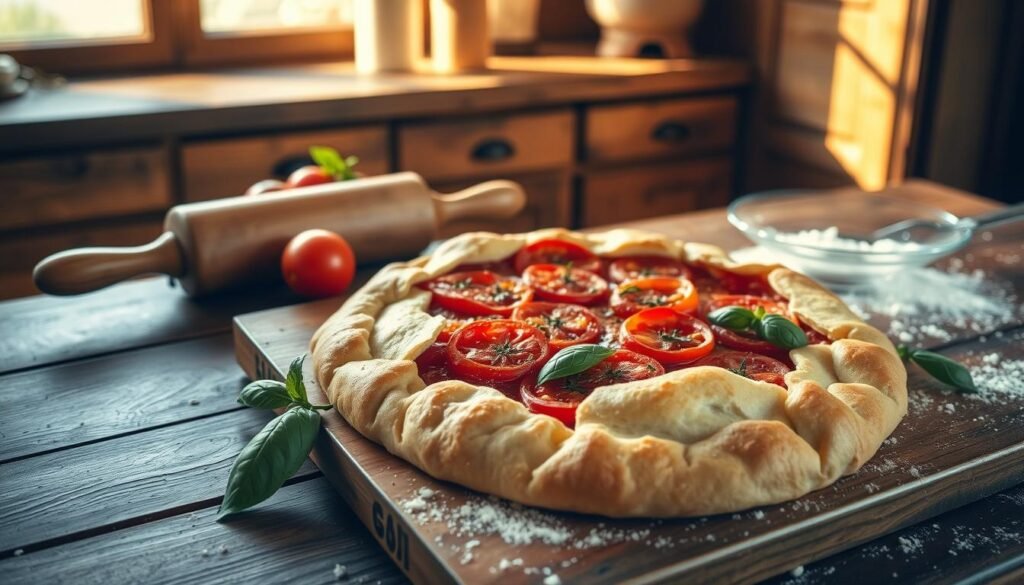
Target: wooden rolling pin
pixel 215 245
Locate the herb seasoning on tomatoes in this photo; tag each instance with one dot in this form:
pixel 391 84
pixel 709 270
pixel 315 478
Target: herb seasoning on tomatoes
pixel 634 296
pixel 478 293
pixel 633 267
pixel 564 324
pixel 668 336
pixel 565 284
pixel 559 398
pixel 498 350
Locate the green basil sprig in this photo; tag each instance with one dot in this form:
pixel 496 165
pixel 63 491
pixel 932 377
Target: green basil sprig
pixel 277 451
pixel 333 163
pixel 775 329
pixel 573 360
pixel 940 367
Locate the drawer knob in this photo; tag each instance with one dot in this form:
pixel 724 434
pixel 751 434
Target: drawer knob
pixel 671 131
pixel 493 150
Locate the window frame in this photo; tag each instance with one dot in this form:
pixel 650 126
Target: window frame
pixel 176 40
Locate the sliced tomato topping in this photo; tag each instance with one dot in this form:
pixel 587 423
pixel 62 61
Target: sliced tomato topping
pixel 433 363
pixel 746 364
pixel 478 293
pixel 556 252
pixel 559 398
pixel 564 324
pixel 612 325
pixel 633 267
pixel 748 340
pixel 634 296
pixel 717 281
pixel 563 284
pixel 667 335
pixel 498 350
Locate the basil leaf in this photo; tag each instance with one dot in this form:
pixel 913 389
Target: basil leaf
pixel 781 332
pixel 294 384
pixel 330 161
pixel 732 318
pixel 268 394
pixel 573 360
pixel 944 370
pixel 270 458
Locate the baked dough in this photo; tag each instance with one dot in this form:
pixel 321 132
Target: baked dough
pixel 697 441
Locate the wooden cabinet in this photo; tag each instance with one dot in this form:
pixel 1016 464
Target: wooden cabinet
pixel 660 129
pixel 40 191
pixel 20 253
pixel 548 204
pixel 492 146
pixel 654 190
pixel 227 167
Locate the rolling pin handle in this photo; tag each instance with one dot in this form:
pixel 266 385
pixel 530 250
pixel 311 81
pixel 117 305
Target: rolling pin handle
pixel 87 269
pixel 489 200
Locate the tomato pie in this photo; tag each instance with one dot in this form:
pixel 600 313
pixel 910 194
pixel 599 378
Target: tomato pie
pixel 620 373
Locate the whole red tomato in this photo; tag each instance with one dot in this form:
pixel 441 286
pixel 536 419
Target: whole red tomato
pixel 309 175
pixel 318 263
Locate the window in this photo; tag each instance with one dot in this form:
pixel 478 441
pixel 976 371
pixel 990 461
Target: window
pixel 27 23
pixel 72 36
pixel 249 16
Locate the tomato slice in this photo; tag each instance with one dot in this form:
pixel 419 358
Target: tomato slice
pixel 556 252
pixel 743 340
pixel 498 350
pixel 564 324
pixel 746 364
pixel 668 336
pixel 559 398
pixel 633 267
pixel 634 296
pixel 563 284
pixel 453 320
pixel 478 293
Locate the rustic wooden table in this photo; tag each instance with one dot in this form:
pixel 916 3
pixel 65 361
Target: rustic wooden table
pixel 118 424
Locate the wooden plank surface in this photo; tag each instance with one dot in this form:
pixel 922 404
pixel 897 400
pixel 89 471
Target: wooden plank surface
pixel 126 316
pixel 298 536
pixel 93 488
pixel 107 397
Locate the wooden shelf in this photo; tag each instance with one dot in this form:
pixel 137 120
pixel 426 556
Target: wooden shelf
pixel 133 109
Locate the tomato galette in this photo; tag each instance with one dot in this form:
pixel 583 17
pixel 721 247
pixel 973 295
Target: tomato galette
pixel 620 373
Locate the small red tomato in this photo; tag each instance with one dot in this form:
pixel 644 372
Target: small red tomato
pixel 318 263
pixel 309 175
pixel 266 186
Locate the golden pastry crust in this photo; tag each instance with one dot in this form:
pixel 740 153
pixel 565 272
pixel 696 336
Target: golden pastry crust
pixel 692 442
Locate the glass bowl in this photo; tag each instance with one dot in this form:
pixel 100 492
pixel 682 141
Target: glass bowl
pixel 774 219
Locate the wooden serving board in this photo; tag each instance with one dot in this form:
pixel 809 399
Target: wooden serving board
pixel 950 450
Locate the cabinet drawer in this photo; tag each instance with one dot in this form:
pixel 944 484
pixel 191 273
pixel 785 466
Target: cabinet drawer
pixel 84 185
pixel 548 204
pixel 20 254
pixel 660 128
pixel 655 190
pixel 227 167
pixel 491 146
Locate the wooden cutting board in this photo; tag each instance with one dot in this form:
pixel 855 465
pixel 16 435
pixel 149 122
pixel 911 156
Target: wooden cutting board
pixel 950 450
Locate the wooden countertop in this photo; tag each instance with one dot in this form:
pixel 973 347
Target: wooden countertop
pixel 155 106
pixel 118 425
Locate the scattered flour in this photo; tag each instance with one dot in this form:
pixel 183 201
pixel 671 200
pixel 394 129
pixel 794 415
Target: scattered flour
pixel 911 545
pixel 340 572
